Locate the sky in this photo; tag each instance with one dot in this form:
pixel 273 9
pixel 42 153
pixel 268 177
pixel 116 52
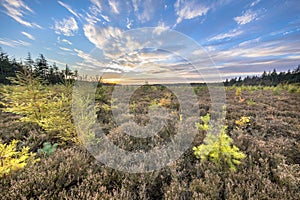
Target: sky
pixel 138 40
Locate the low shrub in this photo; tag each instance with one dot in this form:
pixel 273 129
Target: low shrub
pixel 47 106
pixel 13 160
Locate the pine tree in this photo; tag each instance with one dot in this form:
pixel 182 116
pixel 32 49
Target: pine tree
pixel 29 63
pixel 218 148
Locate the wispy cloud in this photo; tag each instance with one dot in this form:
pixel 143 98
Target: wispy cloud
pixel 65 49
pixel 95 13
pixel 228 35
pixel 135 5
pixel 145 10
pixel 114 6
pixel 106 18
pixel 16 9
pixel 61 64
pixel 69 9
pixel 258 54
pixel 91 19
pixel 13 43
pixel 254 3
pixel 28 35
pixel 248 42
pixel 84 56
pixel 189 10
pixel 67 26
pixel 97 3
pixel 128 23
pixel 66 41
pixel 161 27
pixel 246 18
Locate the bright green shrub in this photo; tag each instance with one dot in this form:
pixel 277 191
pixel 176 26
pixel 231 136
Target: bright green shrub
pixel 218 148
pixel 13 160
pixel 48 106
pixel 205 126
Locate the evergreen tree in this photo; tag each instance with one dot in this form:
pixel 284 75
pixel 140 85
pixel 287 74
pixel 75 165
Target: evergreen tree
pixel 41 67
pixel 29 63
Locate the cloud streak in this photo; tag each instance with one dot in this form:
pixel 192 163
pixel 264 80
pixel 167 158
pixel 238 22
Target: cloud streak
pixel 28 35
pixel 189 10
pixel 228 35
pixel 66 41
pixel 114 6
pixel 65 49
pixel 16 9
pixel 13 43
pixel 257 55
pixel 246 18
pixel 69 9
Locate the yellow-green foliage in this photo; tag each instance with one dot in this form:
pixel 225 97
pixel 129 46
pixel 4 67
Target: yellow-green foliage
pixel 12 160
pixel 153 104
pixel 242 122
pixel 251 102
pixel 291 88
pixel 48 106
pixel 238 92
pixel 218 149
pixel 205 126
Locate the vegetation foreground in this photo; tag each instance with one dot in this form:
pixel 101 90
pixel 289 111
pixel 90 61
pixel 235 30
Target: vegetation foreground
pixel 256 156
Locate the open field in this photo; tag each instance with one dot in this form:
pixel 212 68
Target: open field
pixel 150 100
pixel 270 139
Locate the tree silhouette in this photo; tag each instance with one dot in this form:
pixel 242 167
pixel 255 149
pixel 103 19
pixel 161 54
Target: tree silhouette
pixel 40 69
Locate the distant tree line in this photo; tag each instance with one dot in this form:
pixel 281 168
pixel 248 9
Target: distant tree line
pixel 267 79
pixel 40 68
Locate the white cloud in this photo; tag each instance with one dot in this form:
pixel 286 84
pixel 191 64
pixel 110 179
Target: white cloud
pixel 135 5
pixel 230 34
pixel 110 40
pixel 66 27
pixel 144 10
pixel 85 56
pixel 189 10
pixel 246 18
pixel 128 23
pixel 68 8
pixel 100 36
pixel 248 42
pixel 16 10
pixel 57 62
pixel 106 18
pixel 63 41
pixel 161 27
pixel 13 43
pixel 67 41
pixel 254 3
pixel 65 49
pixel 28 35
pixel 200 53
pixel 97 3
pixel 114 6
pixel 257 53
pixel 95 13
pixel 91 19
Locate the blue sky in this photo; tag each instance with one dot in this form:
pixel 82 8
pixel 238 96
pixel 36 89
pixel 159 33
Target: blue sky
pixel 241 37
